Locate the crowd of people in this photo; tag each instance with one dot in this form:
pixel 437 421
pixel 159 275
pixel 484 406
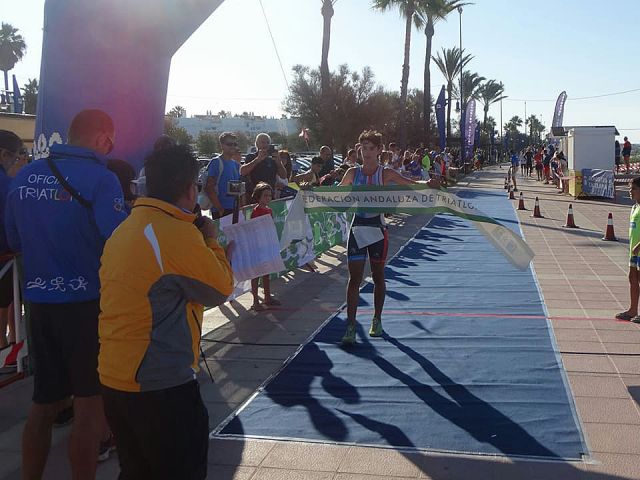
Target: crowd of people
pixel 549 163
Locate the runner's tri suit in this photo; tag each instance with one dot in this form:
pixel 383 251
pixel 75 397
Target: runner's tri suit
pixel 377 251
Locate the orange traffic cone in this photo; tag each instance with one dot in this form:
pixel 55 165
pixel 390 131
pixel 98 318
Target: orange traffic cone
pixel 570 222
pixel 521 202
pixel 609 234
pixel 536 210
pixel 511 194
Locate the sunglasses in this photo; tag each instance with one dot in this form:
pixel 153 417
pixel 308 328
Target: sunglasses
pixel 371 148
pixel 230 144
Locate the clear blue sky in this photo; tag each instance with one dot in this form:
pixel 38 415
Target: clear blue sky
pixel 537 49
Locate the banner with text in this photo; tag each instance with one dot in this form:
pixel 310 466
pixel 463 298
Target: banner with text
pixel 598 183
pixel 417 199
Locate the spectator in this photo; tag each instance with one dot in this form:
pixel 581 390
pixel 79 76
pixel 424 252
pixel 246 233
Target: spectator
pixel 222 170
pixel 262 166
pixel 546 165
pixel 126 175
pixel 352 158
pixel 538 159
pixel 311 178
pixel 59 214
pixel 10 150
pixel 150 323
pixel 634 254
pixel 262 195
pixel 626 153
pixel 385 158
pixel 328 161
pixel 285 158
pixel 617 156
pixel 528 155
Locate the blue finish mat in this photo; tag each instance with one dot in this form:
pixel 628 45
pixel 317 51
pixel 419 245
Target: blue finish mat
pixel 467 363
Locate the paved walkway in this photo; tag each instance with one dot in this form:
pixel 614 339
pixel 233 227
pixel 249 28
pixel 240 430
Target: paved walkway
pixel 583 281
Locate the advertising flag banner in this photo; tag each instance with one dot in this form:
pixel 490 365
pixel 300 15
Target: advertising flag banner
pixel 558 113
pixel 440 104
pixel 417 199
pixel 17 97
pixel 112 55
pixel 469 128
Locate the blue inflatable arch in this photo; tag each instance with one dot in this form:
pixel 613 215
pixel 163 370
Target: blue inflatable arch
pixel 114 55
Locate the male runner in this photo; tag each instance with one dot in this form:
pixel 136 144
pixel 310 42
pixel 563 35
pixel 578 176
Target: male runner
pixel 368 226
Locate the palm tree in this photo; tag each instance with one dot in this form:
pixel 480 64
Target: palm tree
pixel 408 11
pixel 432 11
pixel 471 83
pixel 450 62
pixel 490 93
pixel 327 14
pixel 535 128
pixel 12 49
pixel 30 96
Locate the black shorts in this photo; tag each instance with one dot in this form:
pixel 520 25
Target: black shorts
pixel 377 251
pixel 64 350
pixel 6 288
pixel 159 435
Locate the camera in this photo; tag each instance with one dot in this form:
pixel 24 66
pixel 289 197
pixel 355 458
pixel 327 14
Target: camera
pixel 272 149
pixel 236 188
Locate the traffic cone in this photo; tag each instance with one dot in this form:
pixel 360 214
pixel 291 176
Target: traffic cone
pixel 536 210
pixel 511 194
pixel 609 234
pixel 521 202
pixel 570 222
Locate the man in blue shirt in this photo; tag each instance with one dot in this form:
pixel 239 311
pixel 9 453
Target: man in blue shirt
pixel 217 181
pixel 60 211
pixel 515 162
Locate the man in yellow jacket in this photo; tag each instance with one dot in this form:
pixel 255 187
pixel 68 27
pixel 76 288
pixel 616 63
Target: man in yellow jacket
pixel 158 270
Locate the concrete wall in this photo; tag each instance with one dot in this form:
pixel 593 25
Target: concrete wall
pixel 22 125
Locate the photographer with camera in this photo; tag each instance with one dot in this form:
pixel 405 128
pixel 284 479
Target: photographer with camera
pixel 264 165
pixel 222 170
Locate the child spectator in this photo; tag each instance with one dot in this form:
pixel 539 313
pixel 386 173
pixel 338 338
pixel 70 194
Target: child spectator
pixel 634 250
pixel 262 195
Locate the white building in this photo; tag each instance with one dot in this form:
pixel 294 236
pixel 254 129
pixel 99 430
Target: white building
pixel 250 125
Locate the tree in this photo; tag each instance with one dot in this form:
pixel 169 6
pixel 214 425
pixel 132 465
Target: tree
pixel 471 83
pixel 408 11
pixel 511 130
pixel 12 49
pixel 536 128
pixel 224 114
pixel 179 134
pixel 432 11
pixel 490 93
pixel 359 103
pixel 30 96
pixel 207 144
pixel 177 112
pixel 450 62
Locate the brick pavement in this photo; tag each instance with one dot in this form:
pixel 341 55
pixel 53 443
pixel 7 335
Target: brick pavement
pixel 583 281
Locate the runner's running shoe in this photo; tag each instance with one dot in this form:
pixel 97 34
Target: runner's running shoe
pixel 350 335
pixel 376 328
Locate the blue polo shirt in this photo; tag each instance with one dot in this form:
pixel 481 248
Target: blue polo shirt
pixel 230 171
pixel 60 239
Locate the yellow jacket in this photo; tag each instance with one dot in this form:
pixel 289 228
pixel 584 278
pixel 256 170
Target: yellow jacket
pixel 157 273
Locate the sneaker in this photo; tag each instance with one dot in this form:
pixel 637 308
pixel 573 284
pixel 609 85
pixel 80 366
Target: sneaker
pixel 350 335
pixel 376 328
pixel 64 418
pixel 106 447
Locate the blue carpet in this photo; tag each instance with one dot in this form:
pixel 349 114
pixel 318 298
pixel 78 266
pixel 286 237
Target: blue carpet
pixel 467 363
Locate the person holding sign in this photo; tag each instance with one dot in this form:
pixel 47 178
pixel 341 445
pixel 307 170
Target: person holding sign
pixel 368 234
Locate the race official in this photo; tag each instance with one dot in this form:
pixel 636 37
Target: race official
pixel 59 213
